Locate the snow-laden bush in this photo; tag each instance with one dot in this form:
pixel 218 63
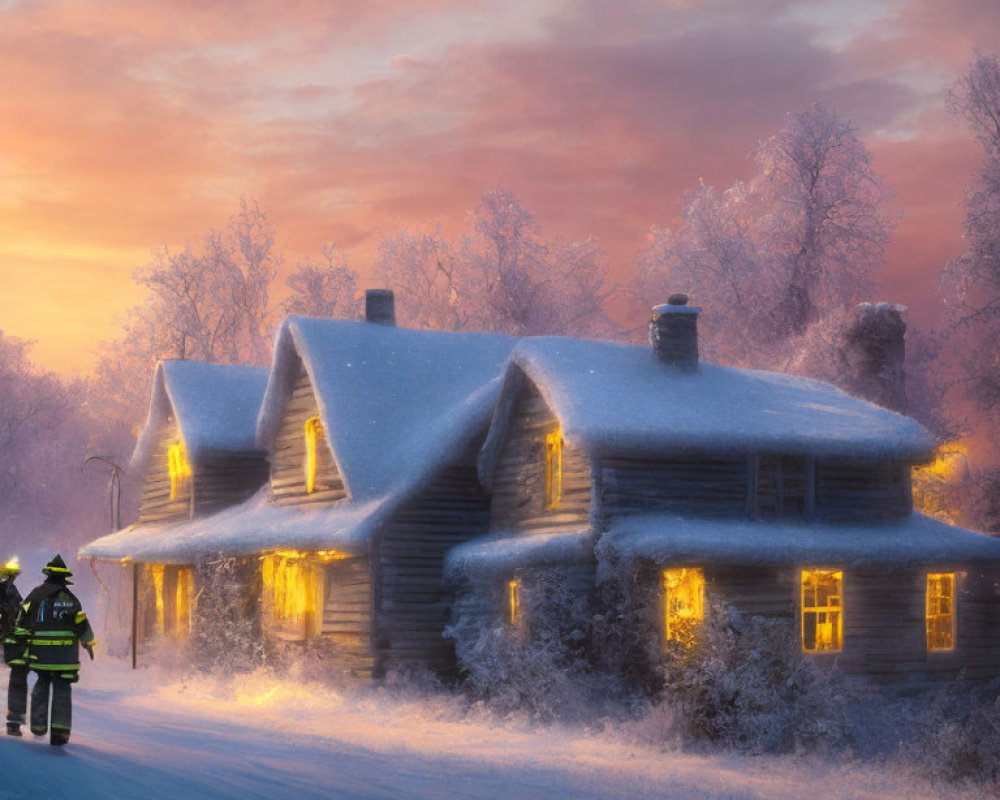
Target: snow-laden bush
pixel 540 668
pixel 745 686
pixel 958 735
pixel 226 634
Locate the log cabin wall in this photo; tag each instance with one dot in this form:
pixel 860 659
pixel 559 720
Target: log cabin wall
pixel 288 482
pixel 858 491
pixel 412 605
pixel 884 619
pixel 885 636
pixel 156 504
pixel 225 479
pixel 519 476
pixel 347 615
pixel 700 485
pixel 760 486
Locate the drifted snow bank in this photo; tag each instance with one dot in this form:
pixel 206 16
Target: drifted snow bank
pixel 149 735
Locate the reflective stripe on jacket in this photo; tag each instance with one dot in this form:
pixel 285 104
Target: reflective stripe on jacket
pixel 55 624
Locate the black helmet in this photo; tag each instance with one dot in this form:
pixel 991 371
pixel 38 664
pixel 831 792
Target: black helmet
pixel 11 569
pixel 57 567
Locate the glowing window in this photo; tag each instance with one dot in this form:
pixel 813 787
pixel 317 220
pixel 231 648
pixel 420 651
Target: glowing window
pixel 156 573
pixel 314 435
pixel 553 469
pixel 178 469
pixel 292 593
pixel 941 611
pixel 822 610
pixel 514 616
pixel 182 600
pixel 683 604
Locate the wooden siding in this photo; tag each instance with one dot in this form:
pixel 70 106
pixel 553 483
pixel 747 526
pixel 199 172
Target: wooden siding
pixel 884 621
pixel 225 479
pixel 519 476
pixel 699 485
pixel 412 604
pixel 156 504
pixel 288 482
pixel 858 491
pixel 347 615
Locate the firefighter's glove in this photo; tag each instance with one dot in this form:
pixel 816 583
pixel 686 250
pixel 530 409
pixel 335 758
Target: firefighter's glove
pixel 89 647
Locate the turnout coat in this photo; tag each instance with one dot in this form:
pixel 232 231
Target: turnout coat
pixel 54 623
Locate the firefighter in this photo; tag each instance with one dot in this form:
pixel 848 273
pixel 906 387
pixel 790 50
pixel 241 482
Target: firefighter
pixel 13 647
pixel 56 626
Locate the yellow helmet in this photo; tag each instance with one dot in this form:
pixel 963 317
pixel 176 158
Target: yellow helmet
pixel 11 568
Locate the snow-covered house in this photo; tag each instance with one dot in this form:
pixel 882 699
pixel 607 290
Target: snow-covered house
pixel 781 496
pixel 372 434
pixel 196 454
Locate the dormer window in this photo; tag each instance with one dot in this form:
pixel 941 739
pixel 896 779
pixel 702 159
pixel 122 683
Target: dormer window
pixel 553 468
pixel 178 469
pixel 314 435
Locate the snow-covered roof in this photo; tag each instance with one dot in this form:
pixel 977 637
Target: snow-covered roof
pixel 254 526
pixel 215 405
pixel 395 403
pixel 915 539
pixel 500 553
pixel 622 399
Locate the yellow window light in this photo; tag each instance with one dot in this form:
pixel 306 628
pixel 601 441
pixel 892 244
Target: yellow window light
pixel 185 591
pixel 553 468
pixel 822 610
pixel 514 614
pixel 292 592
pixel 683 604
pixel 941 611
pixel 314 435
pixel 178 468
pixel 156 573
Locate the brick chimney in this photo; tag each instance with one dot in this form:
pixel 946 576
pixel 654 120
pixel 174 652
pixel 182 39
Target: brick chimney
pixel 673 332
pixel 380 307
pixel 873 355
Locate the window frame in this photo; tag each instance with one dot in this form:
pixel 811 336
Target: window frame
pixel 680 623
pixel 951 615
pixel 178 469
pixel 553 468
pixel 314 434
pixel 515 604
pixel 816 609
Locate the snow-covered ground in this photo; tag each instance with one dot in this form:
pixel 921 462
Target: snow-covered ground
pixel 142 735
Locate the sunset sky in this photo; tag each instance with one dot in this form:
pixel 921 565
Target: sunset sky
pixel 128 123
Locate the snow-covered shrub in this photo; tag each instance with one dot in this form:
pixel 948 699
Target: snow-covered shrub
pixel 540 668
pixel 745 685
pixel 226 634
pixel 957 735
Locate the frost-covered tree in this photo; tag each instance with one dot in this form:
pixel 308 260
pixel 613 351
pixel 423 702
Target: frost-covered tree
pixel 971 284
pixel 421 267
pixel 501 276
pixel 782 255
pixel 46 430
pixel 211 303
pixel 327 289
pixel 208 302
pixel 972 280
